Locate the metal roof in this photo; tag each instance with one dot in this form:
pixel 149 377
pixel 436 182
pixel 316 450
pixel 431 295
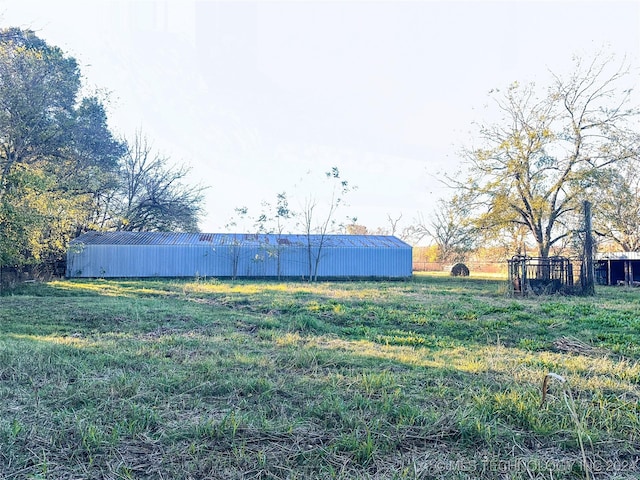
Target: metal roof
pixel 237 239
pixel 618 256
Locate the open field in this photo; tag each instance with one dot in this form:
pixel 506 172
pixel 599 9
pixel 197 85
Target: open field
pixel 431 378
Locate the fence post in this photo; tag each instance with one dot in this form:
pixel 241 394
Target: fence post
pixel 588 287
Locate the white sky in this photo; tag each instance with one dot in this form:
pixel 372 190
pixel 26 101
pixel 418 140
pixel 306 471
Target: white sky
pixel 253 95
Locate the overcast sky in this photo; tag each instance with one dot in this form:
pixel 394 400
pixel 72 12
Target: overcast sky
pixel 254 95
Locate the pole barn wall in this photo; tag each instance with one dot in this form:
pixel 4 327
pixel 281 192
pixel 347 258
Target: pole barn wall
pixel 618 268
pixel 130 254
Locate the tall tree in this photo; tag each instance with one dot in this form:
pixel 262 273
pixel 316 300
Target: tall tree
pixel 45 148
pixel 38 88
pixel 541 159
pixel 91 168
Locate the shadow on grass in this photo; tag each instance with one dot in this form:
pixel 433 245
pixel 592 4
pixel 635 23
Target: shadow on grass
pixel 428 312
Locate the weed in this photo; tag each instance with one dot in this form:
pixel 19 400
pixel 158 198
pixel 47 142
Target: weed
pixel 578 422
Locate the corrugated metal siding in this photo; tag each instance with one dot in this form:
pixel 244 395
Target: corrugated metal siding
pixel 229 255
pixel 618 256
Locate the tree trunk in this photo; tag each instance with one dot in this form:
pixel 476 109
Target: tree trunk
pixel 543 249
pixel 588 284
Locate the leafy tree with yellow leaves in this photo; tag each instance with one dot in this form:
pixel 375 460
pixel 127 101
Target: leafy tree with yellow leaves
pixel 56 151
pixel 546 154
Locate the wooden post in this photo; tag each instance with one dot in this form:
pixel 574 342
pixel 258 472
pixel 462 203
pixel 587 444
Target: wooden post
pixel 588 284
pixel 525 280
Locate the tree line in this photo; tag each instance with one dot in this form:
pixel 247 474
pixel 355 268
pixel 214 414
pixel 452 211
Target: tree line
pixel 62 171
pixel 524 176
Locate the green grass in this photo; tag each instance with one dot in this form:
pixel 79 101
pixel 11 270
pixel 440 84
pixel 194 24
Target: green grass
pixel 432 378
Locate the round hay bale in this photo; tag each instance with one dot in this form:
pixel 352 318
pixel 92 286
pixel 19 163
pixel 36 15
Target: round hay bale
pixel 459 270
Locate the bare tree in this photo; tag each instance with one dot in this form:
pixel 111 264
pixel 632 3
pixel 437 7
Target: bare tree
pixel 317 227
pixel 153 195
pixel 393 223
pixel 415 232
pixel 449 228
pixel 392 228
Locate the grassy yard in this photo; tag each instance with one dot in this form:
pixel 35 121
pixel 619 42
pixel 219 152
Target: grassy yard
pixel 435 378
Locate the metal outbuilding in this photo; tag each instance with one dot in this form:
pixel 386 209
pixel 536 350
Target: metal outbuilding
pixel 618 268
pixel 166 254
